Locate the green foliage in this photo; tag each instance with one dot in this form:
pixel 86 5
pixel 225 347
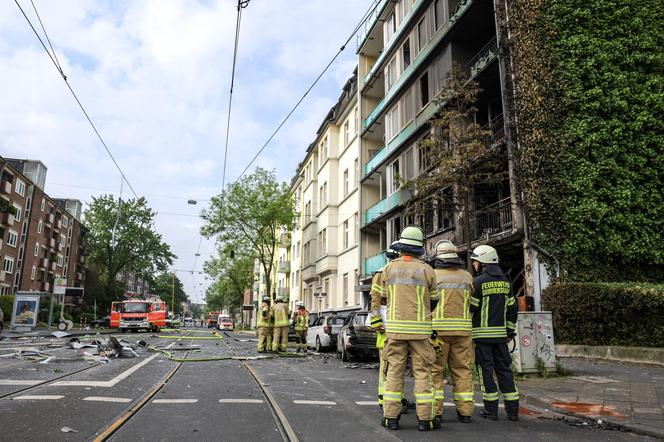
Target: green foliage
pixel 162 285
pixel 232 277
pixel 248 218
pixel 136 246
pixel 6 304
pixel 590 107
pixel 607 313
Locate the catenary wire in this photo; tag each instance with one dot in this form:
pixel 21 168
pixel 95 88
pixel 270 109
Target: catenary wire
pixel 71 90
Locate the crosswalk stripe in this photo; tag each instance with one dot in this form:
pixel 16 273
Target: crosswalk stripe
pixel 366 402
pixel 105 384
pixel 240 401
pixel 38 398
pixel 17 382
pixel 175 401
pixel 299 402
pixel 123 400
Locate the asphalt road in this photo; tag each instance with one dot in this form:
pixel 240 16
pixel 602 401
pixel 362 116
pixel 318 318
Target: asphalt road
pixel 321 399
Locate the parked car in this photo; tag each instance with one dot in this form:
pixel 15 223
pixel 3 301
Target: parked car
pixel 225 323
pixel 188 322
pixel 356 340
pixel 322 333
pixel 104 322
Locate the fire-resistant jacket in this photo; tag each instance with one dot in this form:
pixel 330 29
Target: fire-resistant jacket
pixel 410 285
pixel 280 313
pixel 493 305
pixel 301 318
pixel 264 316
pixel 376 293
pixel 452 316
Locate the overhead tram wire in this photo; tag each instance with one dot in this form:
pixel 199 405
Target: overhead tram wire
pixel 64 77
pixel 287 117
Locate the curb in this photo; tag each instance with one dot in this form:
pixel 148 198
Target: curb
pixel 529 399
pixel 634 355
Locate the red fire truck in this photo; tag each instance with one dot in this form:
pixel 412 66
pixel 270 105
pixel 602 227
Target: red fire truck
pixel 136 314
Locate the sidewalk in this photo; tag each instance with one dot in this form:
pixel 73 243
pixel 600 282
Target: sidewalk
pixel 628 395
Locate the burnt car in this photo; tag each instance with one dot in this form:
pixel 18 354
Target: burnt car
pixel 104 322
pixel 356 340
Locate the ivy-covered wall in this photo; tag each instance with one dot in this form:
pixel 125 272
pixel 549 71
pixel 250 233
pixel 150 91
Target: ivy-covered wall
pixel 589 115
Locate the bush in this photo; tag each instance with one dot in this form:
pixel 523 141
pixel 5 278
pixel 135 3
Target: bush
pixel 607 313
pixel 6 304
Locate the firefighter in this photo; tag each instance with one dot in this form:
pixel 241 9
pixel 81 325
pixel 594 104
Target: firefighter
pixel 301 322
pixel 270 326
pixel 280 313
pixel 409 285
pixel 263 325
pixel 494 311
pixel 452 326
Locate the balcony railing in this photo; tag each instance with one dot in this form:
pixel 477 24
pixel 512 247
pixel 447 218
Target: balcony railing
pixel 491 220
pixel 6 187
pixel 460 9
pixel 497 128
pixel 483 58
pixel 284 266
pixel 371 20
pixel 386 204
pixel 373 263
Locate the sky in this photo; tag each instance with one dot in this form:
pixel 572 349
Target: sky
pixel 154 76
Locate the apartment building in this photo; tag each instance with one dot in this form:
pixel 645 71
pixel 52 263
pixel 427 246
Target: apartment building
pixel 405 53
pixel 45 238
pixel 324 244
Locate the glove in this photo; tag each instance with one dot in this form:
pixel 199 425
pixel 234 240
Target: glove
pixel 511 334
pixel 381 338
pixel 376 322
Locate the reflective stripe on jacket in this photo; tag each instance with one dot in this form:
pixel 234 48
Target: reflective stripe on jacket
pixel 280 313
pixel 410 284
pixel 377 291
pixel 493 305
pixel 452 315
pixel 263 317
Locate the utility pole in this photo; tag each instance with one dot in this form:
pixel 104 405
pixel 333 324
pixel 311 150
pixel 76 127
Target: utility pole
pixel 173 295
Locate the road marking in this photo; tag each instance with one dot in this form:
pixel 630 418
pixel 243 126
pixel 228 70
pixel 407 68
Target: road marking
pixel 240 401
pixel 366 402
pixel 175 401
pixel 38 398
pixel 123 400
pixel 105 384
pixel 314 402
pixel 20 382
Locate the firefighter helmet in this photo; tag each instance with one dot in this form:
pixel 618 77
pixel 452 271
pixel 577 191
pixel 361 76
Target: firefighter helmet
pixel 485 254
pixel 279 298
pixel 266 298
pixel 412 236
pixel 446 250
pixel 299 304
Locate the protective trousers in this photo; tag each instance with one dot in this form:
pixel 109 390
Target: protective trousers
pixel 496 358
pixel 395 355
pixel 269 333
pixel 280 339
pixel 456 352
pixel 382 375
pixel 263 339
pixel 301 339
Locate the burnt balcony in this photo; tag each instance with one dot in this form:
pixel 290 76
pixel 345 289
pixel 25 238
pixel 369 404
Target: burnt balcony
pixel 483 58
pixel 492 220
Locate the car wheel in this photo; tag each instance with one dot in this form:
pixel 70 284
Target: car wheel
pixel 319 348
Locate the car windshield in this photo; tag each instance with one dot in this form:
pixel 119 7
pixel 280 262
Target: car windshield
pixel 360 319
pixel 135 307
pixel 335 321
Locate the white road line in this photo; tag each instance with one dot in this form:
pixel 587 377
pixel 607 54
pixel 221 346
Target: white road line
pixel 20 382
pixel 446 404
pixel 366 402
pixel 105 384
pixel 175 401
pixel 314 402
pixel 122 400
pixel 38 398
pixel 240 401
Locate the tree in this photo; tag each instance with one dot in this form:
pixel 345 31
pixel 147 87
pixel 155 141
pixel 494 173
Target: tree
pixel 460 156
pixel 251 214
pixel 163 285
pixel 120 237
pixel 234 274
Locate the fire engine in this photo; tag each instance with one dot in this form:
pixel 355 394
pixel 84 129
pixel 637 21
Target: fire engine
pixel 213 319
pixel 135 313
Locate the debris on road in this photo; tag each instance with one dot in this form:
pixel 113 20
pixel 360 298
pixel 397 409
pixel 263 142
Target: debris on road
pixel 68 430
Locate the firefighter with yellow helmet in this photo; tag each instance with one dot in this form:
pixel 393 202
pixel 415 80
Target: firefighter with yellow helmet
pixel 452 325
pixel 280 314
pixel 301 323
pixel 409 287
pixel 263 322
pixel 494 320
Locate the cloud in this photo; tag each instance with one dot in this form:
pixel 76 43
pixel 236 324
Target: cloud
pixel 155 77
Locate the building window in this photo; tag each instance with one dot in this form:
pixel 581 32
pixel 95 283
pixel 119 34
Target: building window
pixel 345 292
pixel 422 35
pixel 391 123
pixel 356 171
pixel 40 226
pixel 393 177
pixel 405 55
pixel 43 203
pixel 65 222
pixel 408 107
pixel 346 241
pixel 356 225
pixel 346 132
pixel 445 210
pixel 8 264
pixel 424 158
pixel 346 182
pixel 390 27
pixel 19 187
pixel 33 272
pixel 12 238
pixel 322 241
pixel 19 212
pixel 439 13
pixel 325 193
pixel 424 90
pixel 323 150
pixel 36 249
pixel 356 114
pixel 391 74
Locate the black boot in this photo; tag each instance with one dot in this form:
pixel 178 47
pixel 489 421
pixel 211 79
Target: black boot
pixel 464 419
pixel 488 415
pixel 392 424
pixel 513 417
pixel 437 422
pixel 425 425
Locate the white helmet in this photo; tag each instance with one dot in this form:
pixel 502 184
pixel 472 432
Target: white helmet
pixel 299 304
pixel 485 254
pixel 279 298
pixel 446 250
